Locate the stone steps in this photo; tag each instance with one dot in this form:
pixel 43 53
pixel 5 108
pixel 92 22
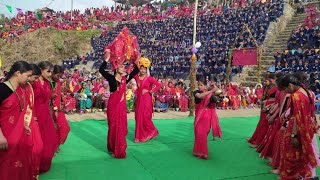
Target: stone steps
pixel 250 75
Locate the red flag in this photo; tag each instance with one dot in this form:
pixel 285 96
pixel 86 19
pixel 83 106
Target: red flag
pixel 248 56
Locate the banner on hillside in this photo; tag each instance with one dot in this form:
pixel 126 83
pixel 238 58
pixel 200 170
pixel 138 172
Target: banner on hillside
pixel 247 56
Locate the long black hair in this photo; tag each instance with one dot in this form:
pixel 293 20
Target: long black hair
pixel 271 76
pixel 36 71
pixel 279 75
pixel 203 81
pixel 302 77
pixel 295 79
pixel 57 69
pixel 21 66
pixel 45 65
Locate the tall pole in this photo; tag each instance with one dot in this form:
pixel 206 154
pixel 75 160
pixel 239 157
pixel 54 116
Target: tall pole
pixel 193 67
pixel 71 9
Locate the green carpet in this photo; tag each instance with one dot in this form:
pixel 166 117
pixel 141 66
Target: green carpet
pixel 167 157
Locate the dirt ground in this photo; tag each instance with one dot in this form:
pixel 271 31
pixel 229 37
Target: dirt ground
pixel 167 115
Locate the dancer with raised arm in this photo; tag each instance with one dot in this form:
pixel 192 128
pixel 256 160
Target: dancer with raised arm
pixel 205 118
pixel 124 48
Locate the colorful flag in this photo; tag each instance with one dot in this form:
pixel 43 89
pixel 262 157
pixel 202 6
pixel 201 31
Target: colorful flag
pixel 247 56
pixel 39 16
pixel 19 11
pixel 9 8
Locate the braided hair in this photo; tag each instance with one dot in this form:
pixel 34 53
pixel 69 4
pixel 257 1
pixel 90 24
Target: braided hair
pixel 295 79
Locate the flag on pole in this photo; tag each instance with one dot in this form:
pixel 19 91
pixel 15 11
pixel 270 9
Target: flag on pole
pixel 247 56
pixel 9 8
pixel 19 11
pixel 39 16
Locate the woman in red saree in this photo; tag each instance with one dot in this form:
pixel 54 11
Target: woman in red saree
pixel 34 126
pixel 268 100
pixel 298 159
pixel 266 146
pixel 181 98
pixel 284 108
pixel 147 85
pixel 43 98
pixel 259 93
pixel 205 119
pixel 69 102
pixel 15 117
pixel 234 96
pixel 117 110
pixel 63 127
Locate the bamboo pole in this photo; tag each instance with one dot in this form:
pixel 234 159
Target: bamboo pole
pixel 71 9
pixel 230 56
pixel 258 51
pixel 193 67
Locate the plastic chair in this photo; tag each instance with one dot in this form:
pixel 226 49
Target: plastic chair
pixel 317 104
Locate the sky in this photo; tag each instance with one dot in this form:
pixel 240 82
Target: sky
pixel 57 5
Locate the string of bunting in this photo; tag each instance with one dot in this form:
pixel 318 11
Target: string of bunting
pixel 10 8
pixel 20 10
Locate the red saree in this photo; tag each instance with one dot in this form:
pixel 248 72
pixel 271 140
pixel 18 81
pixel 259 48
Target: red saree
pixel 262 127
pixel 234 97
pixel 35 134
pixel 63 127
pixel 145 129
pixel 43 93
pixel 117 122
pixel 205 119
pixel 182 99
pixel 259 93
pixel 16 162
pixel 266 147
pixel 297 162
pixel 278 138
pixel 69 101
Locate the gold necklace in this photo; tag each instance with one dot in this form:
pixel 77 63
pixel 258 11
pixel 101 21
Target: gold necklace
pixel 21 106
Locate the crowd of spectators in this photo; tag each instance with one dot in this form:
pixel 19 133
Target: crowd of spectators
pixel 168 42
pixel 307 34
pixel 91 18
pixel 303 53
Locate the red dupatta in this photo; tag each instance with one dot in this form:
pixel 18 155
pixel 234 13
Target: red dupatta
pixel 57 99
pixel 16 163
pixel 59 117
pixel 298 162
pixel 205 107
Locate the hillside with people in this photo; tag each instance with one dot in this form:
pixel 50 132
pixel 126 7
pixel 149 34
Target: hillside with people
pixel 47 43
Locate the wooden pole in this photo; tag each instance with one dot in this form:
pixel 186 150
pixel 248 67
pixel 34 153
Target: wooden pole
pixel 229 66
pixel 230 56
pixel 71 9
pixel 193 68
pixel 258 51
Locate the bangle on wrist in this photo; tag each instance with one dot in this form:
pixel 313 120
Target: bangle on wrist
pixel 293 135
